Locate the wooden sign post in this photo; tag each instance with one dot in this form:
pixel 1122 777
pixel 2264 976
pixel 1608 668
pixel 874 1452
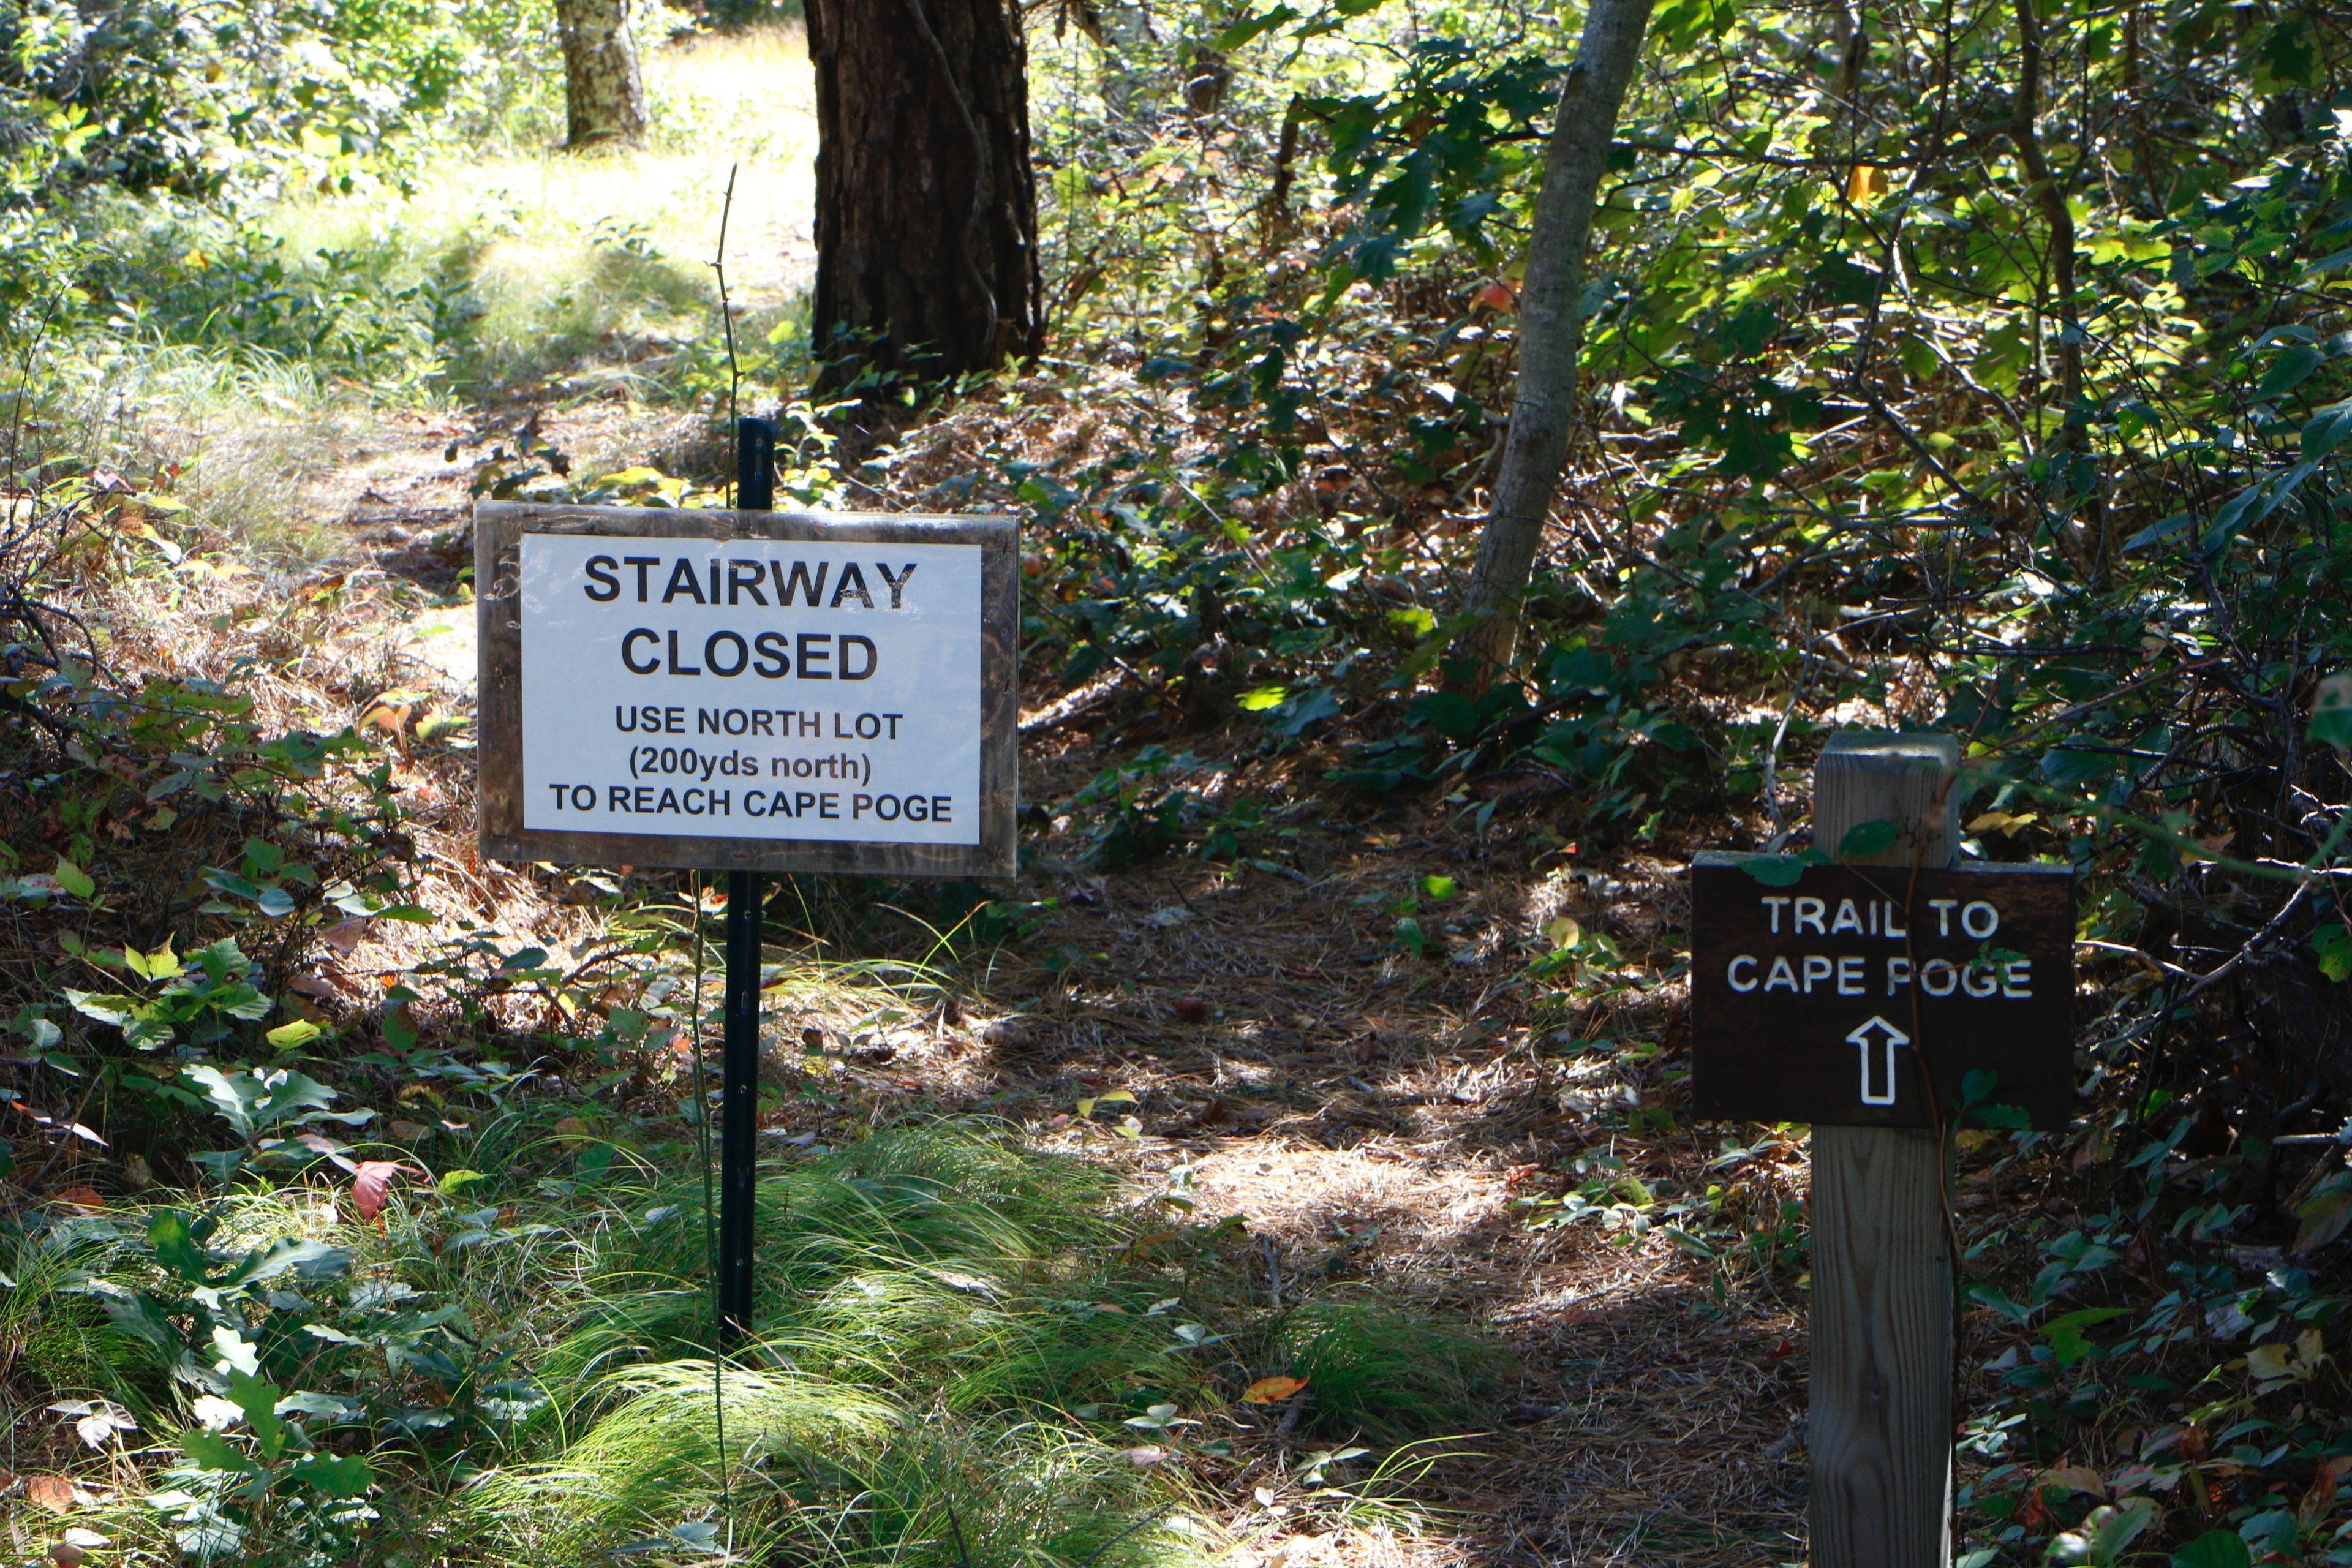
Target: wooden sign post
pixel 747 691
pixel 1859 997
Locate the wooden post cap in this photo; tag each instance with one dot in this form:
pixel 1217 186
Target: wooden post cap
pixel 1878 776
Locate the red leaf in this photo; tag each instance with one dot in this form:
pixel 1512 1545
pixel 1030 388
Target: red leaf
pixel 373 1185
pixel 81 1197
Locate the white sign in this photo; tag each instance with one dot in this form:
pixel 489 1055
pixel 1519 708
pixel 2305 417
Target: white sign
pixel 752 688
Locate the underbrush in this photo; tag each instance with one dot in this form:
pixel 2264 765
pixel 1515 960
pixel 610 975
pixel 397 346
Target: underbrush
pixel 961 1348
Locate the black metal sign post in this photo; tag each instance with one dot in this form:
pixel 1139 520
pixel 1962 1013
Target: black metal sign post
pixel 1859 997
pixel 739 1118
pixel 751 692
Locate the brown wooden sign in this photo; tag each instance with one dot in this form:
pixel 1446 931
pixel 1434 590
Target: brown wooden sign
pixel 1848 996
pixel 748 690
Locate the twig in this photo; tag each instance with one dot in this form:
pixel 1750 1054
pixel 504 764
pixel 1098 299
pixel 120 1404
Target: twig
pixel 726 322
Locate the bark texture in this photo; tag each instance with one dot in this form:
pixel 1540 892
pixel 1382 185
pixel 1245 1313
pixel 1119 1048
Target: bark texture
pixel 603 91
pixel 926 209
pixel 1551 327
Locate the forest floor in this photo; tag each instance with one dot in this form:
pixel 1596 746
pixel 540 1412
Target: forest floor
pixel 1375 1115
pixel 1395 1118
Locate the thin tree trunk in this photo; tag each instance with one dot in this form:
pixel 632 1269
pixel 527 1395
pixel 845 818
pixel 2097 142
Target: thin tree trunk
pixel 926 208
pixel 2093 544
pixel 1551 326
pixel 603 92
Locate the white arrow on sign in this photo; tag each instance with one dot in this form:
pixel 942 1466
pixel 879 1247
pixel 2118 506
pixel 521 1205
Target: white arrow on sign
pixel 1876 1031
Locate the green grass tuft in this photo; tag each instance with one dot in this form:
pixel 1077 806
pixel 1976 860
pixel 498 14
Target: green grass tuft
pixel 935 1261
pixel 1386 1373
pixel 821 1472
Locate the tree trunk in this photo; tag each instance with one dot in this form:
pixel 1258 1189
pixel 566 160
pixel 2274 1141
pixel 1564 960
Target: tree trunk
pixel 603 92
pixel 926 209
pixel 1551 326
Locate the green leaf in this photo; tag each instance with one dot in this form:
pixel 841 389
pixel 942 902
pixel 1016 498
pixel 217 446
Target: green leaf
pixel 1439 889
pixel 2324 1216
pixel 309 1261
pixel 107 1007
pixel 2068 1342
pixel 337 1476
pixel 211 1451
pixel 1250 27
pixel 1990 1296
pixel 2103 1538
pixel 174 1241
pixel 452 1180
pixel 1304 708
pixel 73 879
pixel 1781 870
pixel 257 1397
pixel 2324 430
pixel 2166 529
pixel 1874 837
pixel 252 1102
pixel 2331 712
pixel 287 1036
pixel 2214 1549
pixel 1257 699
pixel 161 964
pixel 2333 946
pixel 2287 371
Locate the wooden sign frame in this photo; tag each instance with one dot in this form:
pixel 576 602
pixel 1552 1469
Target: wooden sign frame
pixel 1776 1042
pixel 499 529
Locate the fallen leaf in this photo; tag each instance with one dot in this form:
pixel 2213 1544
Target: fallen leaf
pixel 1298 1549
pixel 345 934
pixel 1272 1390
pixel 391 718
pixel 81 1197
pixel 409 1131
pixel 52 1492
pixel 318 987
pixel 2324 1488
pixel 1139 1457
pixel 2076 1479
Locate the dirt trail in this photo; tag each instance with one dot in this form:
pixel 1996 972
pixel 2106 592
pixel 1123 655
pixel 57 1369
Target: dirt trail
pixel 1378 1117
